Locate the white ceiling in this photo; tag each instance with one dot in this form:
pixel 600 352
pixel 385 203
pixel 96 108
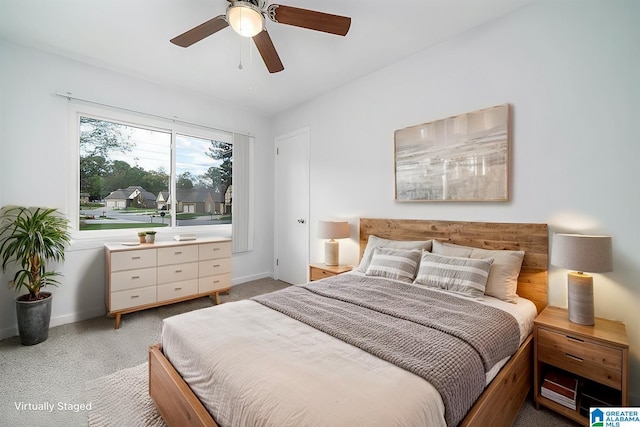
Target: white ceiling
pixel 132 37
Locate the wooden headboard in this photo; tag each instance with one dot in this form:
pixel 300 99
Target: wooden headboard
pixel 533 239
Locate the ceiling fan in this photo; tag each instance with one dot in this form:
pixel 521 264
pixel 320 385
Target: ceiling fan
pixel 246 17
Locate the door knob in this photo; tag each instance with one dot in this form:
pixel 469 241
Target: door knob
pixel 301 221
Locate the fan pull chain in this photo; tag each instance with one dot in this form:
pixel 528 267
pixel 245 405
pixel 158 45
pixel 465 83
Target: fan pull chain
pixel 240 64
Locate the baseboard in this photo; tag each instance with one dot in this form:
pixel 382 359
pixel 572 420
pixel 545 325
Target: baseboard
pixel 12 331
pixel 9 332
pixel 77 317
pixel 249 278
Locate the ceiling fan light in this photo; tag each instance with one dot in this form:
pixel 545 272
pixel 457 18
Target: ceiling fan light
pixel 245 18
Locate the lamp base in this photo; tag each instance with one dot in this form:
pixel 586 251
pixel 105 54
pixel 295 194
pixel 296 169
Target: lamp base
pixel 331 253
pixel 581 298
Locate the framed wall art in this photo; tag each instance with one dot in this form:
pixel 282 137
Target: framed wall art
pixel 462 158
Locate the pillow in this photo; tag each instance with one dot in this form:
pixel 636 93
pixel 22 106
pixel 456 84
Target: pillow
pixel 449 249
pixel 398 264
pixel 379 242
pixel 503 276
pixel 465 276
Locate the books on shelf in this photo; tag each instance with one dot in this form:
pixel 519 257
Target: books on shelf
pixel 560 387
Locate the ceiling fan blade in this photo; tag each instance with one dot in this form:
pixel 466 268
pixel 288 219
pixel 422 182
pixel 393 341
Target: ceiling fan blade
pixel 201 31
pixel 268 52
pixel 310 19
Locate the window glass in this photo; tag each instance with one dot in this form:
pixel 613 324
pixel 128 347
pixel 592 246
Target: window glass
pixel 126 178
pixel 203 182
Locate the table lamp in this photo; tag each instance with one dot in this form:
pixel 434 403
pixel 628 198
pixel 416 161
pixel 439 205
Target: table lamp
pixel 332 230
pixel 581 253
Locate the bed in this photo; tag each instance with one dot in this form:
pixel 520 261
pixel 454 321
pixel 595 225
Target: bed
pixel 346 378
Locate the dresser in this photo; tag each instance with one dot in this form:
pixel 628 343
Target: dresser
pixel 151 275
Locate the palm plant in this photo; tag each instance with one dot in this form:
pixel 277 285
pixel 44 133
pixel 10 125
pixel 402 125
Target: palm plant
pixel 30 238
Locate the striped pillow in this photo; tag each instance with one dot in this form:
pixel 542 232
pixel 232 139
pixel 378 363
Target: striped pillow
pixel 398 264
pixel 461 275
pixel 503 276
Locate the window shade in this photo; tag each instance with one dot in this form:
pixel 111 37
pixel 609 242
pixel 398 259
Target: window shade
pixel 242 193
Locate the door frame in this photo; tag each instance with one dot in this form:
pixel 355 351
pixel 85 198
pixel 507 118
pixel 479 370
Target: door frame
pixel 277 139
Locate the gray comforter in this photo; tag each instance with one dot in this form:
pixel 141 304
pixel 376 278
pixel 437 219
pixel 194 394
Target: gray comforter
pixel 449 341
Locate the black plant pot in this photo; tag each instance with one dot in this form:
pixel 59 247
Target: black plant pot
pixel 33 319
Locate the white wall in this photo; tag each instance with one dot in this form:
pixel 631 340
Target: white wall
pixel 34 162
pixel 569 70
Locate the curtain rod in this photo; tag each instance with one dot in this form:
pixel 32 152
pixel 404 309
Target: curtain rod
pixel 70 97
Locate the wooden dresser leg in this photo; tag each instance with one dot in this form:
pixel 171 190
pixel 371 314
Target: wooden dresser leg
pixel 118 316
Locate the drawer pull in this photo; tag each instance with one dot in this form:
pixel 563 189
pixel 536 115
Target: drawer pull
pixel 135 296
pixel 135 257
pixel 178 271
pixel 177 253
pixel 574 339
pixel 572 357
pixel 177 289
pixel 216 249
pixel 135 277
pixel 216 265
pixel 216 281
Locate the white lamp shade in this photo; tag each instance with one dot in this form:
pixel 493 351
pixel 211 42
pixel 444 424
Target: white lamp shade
pixel 245 18
pixel 333 229
pixel 582 253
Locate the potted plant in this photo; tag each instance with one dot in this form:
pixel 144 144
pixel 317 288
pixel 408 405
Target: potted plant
pixel 30 238
pixel 151 236
pixel 142 236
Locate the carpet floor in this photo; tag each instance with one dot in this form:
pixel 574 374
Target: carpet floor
pixel 88 373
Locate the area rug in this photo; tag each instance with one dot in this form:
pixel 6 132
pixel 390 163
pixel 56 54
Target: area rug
pixel 122 399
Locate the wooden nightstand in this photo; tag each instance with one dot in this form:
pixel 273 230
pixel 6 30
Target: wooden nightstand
pixel 321 271
pixel 596 355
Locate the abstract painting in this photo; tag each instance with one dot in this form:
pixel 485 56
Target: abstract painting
pixel 462 158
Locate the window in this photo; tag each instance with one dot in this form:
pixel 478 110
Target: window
pixel 139 172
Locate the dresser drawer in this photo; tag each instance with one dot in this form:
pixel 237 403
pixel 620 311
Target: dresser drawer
pixel 169 291
pixel 586 358
pixel 132 298
pixel 132 279
pixel 177 255
pixel 215 250
pixel 131 260
pixel 214 283
pixel 176 273
pixel 214 266
pixel 586 350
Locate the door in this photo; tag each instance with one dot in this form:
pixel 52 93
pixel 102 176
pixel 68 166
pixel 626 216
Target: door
pixel 292 207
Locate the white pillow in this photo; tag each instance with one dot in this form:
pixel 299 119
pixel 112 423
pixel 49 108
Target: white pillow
pixel 503 276
pixel 465 276
pixel 449 249
pixel 398 264
pixel 379 242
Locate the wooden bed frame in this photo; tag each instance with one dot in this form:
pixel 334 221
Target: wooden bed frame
pixel 501 400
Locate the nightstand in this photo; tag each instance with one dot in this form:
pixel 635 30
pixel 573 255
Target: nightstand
pixel 322 271
pixel 597 356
